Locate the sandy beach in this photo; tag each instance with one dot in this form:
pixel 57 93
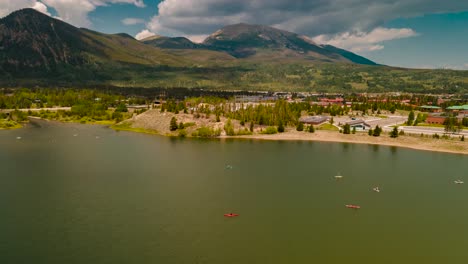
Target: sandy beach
pixel 412 142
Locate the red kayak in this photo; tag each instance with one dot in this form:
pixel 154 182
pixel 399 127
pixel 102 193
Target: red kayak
pixel 231 215
pixel 353 206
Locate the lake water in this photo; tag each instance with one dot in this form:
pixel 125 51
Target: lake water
pixel 74 193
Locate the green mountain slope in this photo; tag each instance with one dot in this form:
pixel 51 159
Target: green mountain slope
pixel 171 43
pixel 257 41
pixel 32 40
pixel 36 50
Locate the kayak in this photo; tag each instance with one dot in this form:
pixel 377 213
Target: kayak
pixel 353 206
pixel 231 215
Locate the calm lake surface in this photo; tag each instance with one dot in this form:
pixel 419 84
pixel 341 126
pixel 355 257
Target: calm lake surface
pixel 74 193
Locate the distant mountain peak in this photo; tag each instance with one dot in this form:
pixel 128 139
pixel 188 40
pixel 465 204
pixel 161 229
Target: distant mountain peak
pixel 153 37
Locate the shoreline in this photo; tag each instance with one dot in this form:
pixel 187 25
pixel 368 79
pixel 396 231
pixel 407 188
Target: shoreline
pixel 408 142
pixel 453 146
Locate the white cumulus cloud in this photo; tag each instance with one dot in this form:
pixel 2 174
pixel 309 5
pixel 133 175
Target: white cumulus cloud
pixel 144 34
pixel 307 17
pixel 72 11
pixel 41 8
pixel 8 6
pixel 365 41
pixel 132 21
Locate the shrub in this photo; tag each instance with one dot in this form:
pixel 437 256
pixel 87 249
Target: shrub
pixel 182 133
pixel 189 124
pixel 121 108
pixel 311 129
pixel 243 132
pixel 229 128
pixel 206 132
pixel 270 130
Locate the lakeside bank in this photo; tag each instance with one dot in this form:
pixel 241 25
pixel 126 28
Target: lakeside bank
pixel 155 122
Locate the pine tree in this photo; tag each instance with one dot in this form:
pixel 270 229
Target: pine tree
pixel 377 131
pixel 463 138
pixel 346 129
pixel 394 133
pixel 281 127
pixel 311 129
pixel 410 119
pixel 300 126
pixel 371 132
pixel 173 125
pixel 251 126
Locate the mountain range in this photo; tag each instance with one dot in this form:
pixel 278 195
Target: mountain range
pixel 38 50
pixel 30 40
pixel 244 41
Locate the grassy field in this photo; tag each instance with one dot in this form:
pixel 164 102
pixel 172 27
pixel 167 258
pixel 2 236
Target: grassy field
pixel 7 124
pixel 328 126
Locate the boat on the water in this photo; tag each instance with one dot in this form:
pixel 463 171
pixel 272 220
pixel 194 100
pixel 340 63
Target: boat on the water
pixel 376 189
pixel 231 215
pixel 352 206
pixel 459 182
pixel 338 176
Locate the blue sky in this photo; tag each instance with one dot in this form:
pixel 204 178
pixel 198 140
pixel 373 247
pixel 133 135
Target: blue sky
pixel 407 33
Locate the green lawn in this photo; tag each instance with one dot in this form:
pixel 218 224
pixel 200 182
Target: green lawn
pixel 7 124
pixel 327 126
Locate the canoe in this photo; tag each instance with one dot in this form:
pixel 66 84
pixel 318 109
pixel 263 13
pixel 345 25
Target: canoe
pixel 352 206
pixel 231 215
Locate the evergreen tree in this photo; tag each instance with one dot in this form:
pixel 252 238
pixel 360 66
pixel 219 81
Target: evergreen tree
pixel 450 124
pixel 394 133
pixel 300 126
pixel 173 125
pixel 251 126
pixel 377 131
pixel 410 118
pixel 346 129
pixel 354 130
pixel 181 125
pixel 281 127
pixel 463 138
pixel 311 129
pixel 371 132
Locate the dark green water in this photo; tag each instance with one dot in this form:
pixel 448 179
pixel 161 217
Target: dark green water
pixel 116 197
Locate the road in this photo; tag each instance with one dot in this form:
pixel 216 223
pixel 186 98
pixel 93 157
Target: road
pixel 37 109
pixel 428 130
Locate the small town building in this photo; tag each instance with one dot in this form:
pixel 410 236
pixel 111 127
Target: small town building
pixel 435 119
pixel 358 124
pixel 314 120
pixel 461 109
pixel 430 108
